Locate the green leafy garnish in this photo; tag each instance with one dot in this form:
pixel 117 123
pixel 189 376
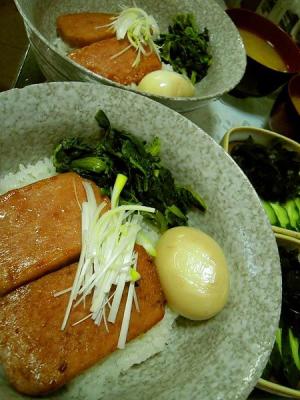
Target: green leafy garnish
pixel 273 170
pixel 186 48
pixel 119 152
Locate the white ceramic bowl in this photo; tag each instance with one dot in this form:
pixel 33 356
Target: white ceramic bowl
pixel 223 357
pixel 229 58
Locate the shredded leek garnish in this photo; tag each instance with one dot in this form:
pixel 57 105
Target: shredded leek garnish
pixel 140 28
pixel 107 260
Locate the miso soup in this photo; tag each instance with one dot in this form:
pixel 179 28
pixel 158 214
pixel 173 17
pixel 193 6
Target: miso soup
pixel 262 50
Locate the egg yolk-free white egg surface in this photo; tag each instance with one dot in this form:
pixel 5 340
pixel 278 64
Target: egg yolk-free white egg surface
pixel 166 83
pixel 193 272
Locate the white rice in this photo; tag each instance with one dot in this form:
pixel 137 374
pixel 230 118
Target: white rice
pixel 100 377
pixel 98 381
pixel 27 175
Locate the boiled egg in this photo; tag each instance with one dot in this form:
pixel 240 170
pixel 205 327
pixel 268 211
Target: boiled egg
pixel 166 83
pixel 193 272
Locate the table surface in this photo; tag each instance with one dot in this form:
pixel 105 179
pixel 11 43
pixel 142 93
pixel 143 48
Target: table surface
pixel 18 68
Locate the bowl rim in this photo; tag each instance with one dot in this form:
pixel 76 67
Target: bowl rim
pixel 102 80
pixel 225 141
pixel 260 131
pixel 266 21
pixel 277 389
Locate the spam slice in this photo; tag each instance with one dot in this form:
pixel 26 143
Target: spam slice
pixel 38 357
pixel 82 29
pixel 40 228
pixel 114 58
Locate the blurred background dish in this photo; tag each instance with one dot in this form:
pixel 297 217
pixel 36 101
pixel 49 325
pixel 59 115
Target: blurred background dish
pixel 284 13
pixel 228 55
pixel 282 375
pixel 285 114
pixel 273 172
pixel 252 149
pixel 272 55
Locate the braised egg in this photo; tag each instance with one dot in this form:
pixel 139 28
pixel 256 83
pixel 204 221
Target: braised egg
pixel 167 83
pixel 193 272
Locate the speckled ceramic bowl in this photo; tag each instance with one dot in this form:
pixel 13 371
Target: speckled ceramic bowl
pixel 262 136
pixel 266 385
pixel 229 58
pixel 222 358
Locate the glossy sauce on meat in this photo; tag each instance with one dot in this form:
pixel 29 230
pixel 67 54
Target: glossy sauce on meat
pixel 82 29
pixel 40 228
pixel 38 357
pixel 100 58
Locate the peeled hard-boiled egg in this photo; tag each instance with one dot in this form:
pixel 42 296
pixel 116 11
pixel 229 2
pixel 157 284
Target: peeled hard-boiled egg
pixel 166 83
pixel 193 272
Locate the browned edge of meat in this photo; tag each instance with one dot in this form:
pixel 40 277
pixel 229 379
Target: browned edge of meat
pixel 40 228
pixel 99 58
pixel 82 29
pixel 38 357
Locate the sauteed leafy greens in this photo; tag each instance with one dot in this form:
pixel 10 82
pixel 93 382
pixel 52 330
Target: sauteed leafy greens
pixel 149 182
pixel 186 48
pixel 273 170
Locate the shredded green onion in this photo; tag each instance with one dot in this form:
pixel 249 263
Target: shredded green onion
pixel 134 275
pixel 107 260
pixel 140 28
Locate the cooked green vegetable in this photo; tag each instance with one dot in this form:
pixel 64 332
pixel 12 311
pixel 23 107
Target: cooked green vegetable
pixel 284 363
pixel 119 152
pixel 273 170
pixel 186 48
pixel 285 215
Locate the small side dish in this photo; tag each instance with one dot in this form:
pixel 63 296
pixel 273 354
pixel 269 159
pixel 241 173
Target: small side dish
pixel 273 170
pixel 128 48
pixel 262 50
pixel 273 57
pixel 284 364
pixel 272 164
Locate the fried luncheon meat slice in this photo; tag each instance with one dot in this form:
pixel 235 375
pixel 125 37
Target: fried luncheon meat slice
pixel 38 357
pixel 40 228
pixel 114 60
pixel 82 29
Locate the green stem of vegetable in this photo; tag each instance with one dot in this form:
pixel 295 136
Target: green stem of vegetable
pixel 118 187
pixel 93 164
